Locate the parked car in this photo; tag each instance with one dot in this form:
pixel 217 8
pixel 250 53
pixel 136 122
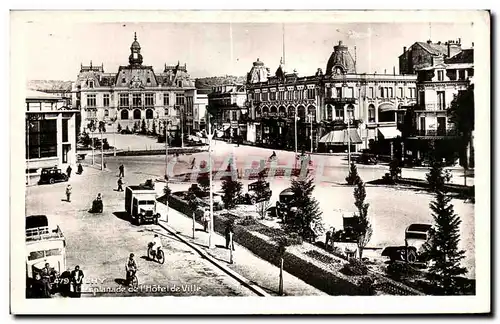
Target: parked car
pixel 251 197
pixel 366 157
pixel 416 235
pixel 52 175
pixel 285 203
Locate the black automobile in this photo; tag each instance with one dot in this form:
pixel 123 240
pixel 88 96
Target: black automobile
pixel 52 175
pixel 285 202
pixel 367 158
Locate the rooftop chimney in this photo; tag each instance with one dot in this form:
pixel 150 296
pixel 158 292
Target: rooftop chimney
pixel 404 49
pixel 459 41
pixel 439 43
pixel 448 45
pixel 429 41
pixel 472 44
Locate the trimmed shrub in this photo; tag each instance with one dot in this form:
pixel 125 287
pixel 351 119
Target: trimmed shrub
pixel 355 267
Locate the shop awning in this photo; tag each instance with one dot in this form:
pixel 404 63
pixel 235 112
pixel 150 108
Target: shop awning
pixel 389 132
pixel 341 137
pixel 386 107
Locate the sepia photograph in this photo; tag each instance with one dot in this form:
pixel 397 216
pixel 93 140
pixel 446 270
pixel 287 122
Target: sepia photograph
pixel 307 157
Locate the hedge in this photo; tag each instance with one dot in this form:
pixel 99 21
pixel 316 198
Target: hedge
pixel 327 280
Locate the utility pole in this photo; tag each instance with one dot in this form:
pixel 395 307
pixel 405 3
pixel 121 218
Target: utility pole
pixel 348 139
pixel 211 225
pixel 295 121
pixel 114 135
pixel 311 120
pixel 182 126
pixel 102 146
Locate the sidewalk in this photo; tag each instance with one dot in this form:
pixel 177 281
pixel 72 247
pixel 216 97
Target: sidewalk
pixel 257 271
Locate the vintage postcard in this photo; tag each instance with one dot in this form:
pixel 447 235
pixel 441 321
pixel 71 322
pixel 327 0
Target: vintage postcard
pixel 299 162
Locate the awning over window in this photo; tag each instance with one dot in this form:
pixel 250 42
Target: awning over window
pixel 386 107
pixel 341 137
pixel 389 132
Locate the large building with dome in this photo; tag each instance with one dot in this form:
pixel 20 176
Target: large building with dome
pixel 135 93
pixel 325 104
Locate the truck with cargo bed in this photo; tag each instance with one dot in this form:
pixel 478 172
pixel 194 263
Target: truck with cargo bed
pixel 140 204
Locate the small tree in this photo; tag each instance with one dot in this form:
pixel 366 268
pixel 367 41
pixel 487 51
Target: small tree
pixel 261 189
pixel 262 208
pixel 307 221
pixel 127 130
pixel 445 236
pixel 203 180
pixel 437 176
pixel 136 127
pixel 353 176
pixel 395 169
pixel 153 130
pixel 144 128
pixel 119 128
pixel 192 199
pixel 231 190
pixel 363 229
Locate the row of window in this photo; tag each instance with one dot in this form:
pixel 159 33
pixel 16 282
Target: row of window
pixel 384 92
pixel 137 100
pixel 42 138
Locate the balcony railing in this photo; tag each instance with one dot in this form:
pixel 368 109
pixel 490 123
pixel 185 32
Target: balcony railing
pixel 439 132
pixel 339 100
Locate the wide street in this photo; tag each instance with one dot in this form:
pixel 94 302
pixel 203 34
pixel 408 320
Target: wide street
pixel 391 210
pixel 101 243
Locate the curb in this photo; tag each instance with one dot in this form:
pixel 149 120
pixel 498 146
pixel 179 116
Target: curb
pixel 244 281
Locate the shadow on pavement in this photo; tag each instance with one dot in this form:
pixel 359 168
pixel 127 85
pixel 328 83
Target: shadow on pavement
pixel 121 282
pixel 123 215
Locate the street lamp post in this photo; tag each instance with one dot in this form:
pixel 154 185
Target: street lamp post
pixel 182 126
pixel 114 135
pixel 348 139
pixel 102 146
pixel 210 136
pixel 295 122
pixel 311 120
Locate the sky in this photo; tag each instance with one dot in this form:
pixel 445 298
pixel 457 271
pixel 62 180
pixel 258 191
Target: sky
pixel 55 50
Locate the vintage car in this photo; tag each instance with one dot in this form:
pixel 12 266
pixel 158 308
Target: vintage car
pixel 416 235
pixel 367 158
pixel 252 197
pixel 52 175
pixel 285 203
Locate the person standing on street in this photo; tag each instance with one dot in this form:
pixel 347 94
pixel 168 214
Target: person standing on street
pixel 120 184
pixel 68 171
pixel 328 238
pixel 68 193
pixel 80 169
pixel 229 234
pixel 122 171
pixel 206 219
pixel 76 281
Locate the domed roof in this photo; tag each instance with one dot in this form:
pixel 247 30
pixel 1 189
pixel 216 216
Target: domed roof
pixel 258 63
pixel 340 60
pixel 135 45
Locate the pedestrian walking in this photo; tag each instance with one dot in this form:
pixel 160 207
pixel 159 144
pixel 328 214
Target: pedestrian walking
pixel 120 184
pixel 76 281
pixel 68 193
pixel 68 171
pixel 80 169
pixel 122 171
pixel 193 163
pixel 228 232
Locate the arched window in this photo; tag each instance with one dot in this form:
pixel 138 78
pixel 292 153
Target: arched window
pixel 124 114
pixel 258 113
pixel 371 113
pixel 265 110
pixel 350 111
pixel 311 110
pixel 106 113
pixel 274 109
pixel 137 114
pixel 291 112
pixel 301 112
pixel 329 112
pixel 282 111
pixel 149 113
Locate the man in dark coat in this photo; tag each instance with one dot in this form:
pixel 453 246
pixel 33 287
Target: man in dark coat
pixel 76 281
pixel 122 171
pixel 120 184
pixel 68 171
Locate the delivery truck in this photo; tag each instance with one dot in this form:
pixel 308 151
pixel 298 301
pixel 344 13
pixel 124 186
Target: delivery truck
pixel 140 204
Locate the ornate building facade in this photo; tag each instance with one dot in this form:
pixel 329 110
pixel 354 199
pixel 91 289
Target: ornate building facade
pixel 437 86
pixel 228 101
pixel 135 93
pixel 325 104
